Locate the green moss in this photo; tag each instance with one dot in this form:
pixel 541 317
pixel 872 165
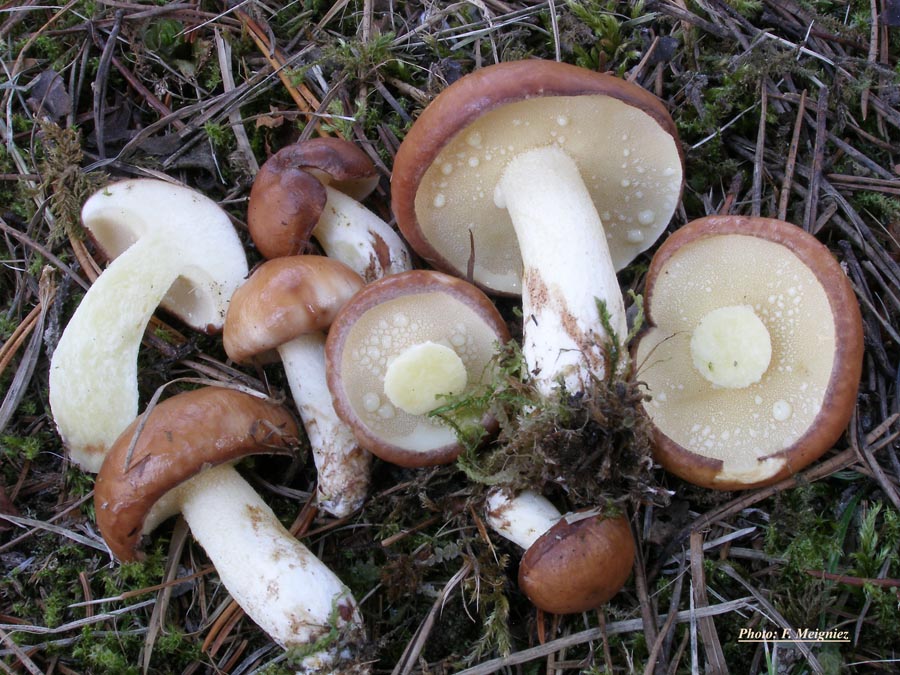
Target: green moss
pixel 66 185
pixel 108 652
pixel 219 134
pixel 616 39
pixel 26 448
pixel 164 36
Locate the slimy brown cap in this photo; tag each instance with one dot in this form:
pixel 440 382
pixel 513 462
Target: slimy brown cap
pixel 179 438
pixel 288 193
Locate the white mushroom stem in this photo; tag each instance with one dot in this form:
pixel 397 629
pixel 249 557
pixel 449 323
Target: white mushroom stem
pixel 731 347
pixel 418 376
pixel 349 232
pixel 353 235
pixel 521 519
pixel 567 270
pixel 343 467
pixel 93 372
pixel 279 583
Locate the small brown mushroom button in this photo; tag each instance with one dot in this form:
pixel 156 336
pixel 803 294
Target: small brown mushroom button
pixel 396 348
pixel 541 179
pixel 312 189
pixel 182 461
pixel 753 351
pixel 573 562
pixel 283 310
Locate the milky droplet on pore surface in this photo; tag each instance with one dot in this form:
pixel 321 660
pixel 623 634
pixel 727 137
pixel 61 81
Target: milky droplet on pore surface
pixel 635 236
pixel 782 410
pixel 371 402
pixel 646 217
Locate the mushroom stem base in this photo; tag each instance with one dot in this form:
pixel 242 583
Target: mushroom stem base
pixel 521 519
pixel 343 468
pixel 568 270
pixel 278 582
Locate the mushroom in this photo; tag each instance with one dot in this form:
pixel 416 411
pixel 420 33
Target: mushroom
pixel 398 347
pixel 182 461
pixel 283 311
pixel 573 562
pixel 172 247
pixel 583 169
pixel 752 351
pixel 313 189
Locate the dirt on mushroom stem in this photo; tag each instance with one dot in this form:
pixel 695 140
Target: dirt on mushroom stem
pixel 590 448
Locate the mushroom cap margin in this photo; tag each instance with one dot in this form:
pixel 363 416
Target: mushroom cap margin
pixel 179 438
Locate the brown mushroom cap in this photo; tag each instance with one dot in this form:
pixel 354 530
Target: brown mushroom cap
pixel 180 437
pixel 288 194
pixel 283 299
pixel 621 136
pixel 734 438
pixel 578 564
pixel 387 316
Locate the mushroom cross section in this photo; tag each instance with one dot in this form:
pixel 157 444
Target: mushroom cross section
pixel 752 353
pixel 573 562
pixel 313 189
pixel 398 347
pixel 542 179
pixel 171 246
pixel 182 461
pixel 283 311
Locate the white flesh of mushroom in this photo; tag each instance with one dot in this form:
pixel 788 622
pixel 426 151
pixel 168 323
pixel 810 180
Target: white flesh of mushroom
pixel 93 373
pixel 521 519
pixel 419 375
pixel 349 232
pixel 731 347
pixel 185 255
pixel 278 582
pixel 342 466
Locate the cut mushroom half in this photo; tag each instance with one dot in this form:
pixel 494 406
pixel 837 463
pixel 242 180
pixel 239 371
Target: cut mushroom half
pixel 182 462
pixel 752 353
pixel 398 349
pixel 283 311
pixel 542 179
pixel 170 246
pixel 313 189
pixel 573 562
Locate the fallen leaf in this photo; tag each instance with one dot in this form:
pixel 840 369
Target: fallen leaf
pixel 49 96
